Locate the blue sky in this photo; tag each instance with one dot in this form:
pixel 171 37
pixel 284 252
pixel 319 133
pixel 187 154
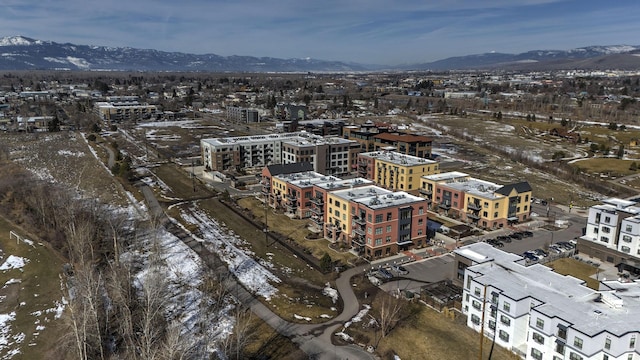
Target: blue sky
pixel 364 31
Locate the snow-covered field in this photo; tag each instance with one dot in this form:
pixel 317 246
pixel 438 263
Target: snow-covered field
pixel 233 250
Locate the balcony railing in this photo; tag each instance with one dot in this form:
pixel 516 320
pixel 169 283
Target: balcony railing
pixel 445 206
pixel 474 207
pixel 317 200
pixel 317 210
pixel 426 192
pixel 359 231
pixel 473 216
pixel 358 220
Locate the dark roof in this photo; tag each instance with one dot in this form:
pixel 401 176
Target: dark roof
pixel 283 169
pixel 402 137
pixel 520 188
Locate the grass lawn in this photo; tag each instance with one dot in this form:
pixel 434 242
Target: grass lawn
pixel 32 298
pixel 611 166
pixel 268 344
pixel 575 268
pixel 179 182
pixel 296 229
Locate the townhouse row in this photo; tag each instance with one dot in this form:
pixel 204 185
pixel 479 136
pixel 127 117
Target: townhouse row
pixel 543 315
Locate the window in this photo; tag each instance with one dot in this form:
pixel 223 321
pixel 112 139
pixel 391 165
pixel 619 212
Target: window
pixel 378 218
pixel 388 228
pixel 496 206
pixel 388 216
pixel 538 338
pixel 379 231
pixel 369 231
pixel 605 357
pixel 475 319
pixel 629 228
pixel 492 324
pixel 495 214
pixel 626 238
pixel 560 348
pixel 540 323
pixel 477 291
pixel 607 219
pixel 506 306
pixel 378 241
pixel 604 239
pixel 577 342
pixel 606 229
pixel 387 239
pixel 630 357
pixel 503 335
pixel 536 354
pixel 625 249
pixel 574 356
pixel 420 211
pixel 607 343
pixel 632 342
pixel 505 320
pixel 475 304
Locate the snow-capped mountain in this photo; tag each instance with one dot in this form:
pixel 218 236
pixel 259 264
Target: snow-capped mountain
pixel 590 57
pixel 23 53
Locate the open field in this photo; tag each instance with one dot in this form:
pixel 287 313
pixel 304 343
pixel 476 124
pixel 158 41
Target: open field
pixel 33 293
pixel 179 186
pixel 577 269
pixel 611 167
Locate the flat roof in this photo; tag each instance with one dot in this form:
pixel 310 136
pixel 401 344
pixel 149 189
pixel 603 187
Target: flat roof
pixel 398 158
pixel 343 183
pixel 306 175
pixel 477 187
pixel 614 309
pixel 451 175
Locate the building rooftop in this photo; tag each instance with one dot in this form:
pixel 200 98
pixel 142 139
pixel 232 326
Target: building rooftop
pixel 476 187
pixel 375 197
pixel 447 176
pixel 307 139
pixel 614 308
pixel 253 139
pixel 402 137
pixel 279 169
pixel 341 184
pixel 310 181
pixel 306 175
pixel 398 158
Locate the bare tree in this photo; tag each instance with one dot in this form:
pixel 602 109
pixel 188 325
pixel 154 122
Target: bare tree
pixel 389 312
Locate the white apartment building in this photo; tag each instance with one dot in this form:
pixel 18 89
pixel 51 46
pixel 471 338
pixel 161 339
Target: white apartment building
pixel 284 148
pixel 543 315
pixel 612 233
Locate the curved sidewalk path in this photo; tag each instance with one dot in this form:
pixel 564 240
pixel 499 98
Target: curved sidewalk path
pixel 313 339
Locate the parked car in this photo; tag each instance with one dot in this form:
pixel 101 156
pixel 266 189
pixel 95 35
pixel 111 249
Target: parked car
pixel 504 238
pixel 516 235
pixel 495 243
pixel 530 256
pixel 555 249
pixel 400 270
pixel 541 252
pixel 384 273
pixel 527 233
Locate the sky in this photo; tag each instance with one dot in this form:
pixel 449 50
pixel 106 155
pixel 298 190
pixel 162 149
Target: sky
pixel 381 32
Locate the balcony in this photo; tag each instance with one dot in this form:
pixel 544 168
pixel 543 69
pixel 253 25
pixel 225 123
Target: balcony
pixel 473 216
pixel 357 241
pixel 317 201
pixel 359 231
pixel 474 207
pixel 358 220
pixel 332 227
pixel 426 192
pixel 317 220
pixel 445 206
pixel 317 210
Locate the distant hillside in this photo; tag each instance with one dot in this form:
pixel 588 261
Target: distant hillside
pixel 623 57
pixel 22 53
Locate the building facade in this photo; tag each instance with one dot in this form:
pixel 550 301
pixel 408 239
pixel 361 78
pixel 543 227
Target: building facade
pixel 119 111
pixel 242 115
pixel 612 233
pixel 481 203
pixel 408 144
pixel 258 151
pixel 395 171
pixel 543 315
pixel 375 222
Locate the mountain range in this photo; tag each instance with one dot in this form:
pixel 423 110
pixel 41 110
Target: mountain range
pixel 23 53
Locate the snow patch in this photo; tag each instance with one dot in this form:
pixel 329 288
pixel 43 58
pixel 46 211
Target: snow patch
pixel 14 262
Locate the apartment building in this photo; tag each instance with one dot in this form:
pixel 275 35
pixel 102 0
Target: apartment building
pixel 481 203
pixel 328 155
pixel 408 144
pixel 395 171
pixel 290 200
pixel 258 151
pixel 124 109
pixel 320 190
pixel 269 171
pixel 242 115
pixel 612 233
pixel 543 315
pixel 376 222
